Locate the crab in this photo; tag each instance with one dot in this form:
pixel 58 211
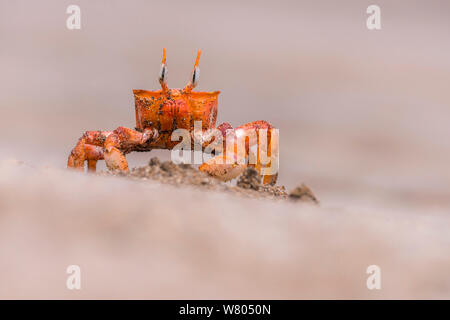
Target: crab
pixel 158 114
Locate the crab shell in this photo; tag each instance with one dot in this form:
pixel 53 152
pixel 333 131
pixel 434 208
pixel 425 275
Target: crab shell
pixel 174 109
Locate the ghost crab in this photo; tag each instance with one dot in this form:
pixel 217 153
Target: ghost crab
pixel 158 114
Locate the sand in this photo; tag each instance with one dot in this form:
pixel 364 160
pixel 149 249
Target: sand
pixel 248 184
pixel 364 123
pixel 146 239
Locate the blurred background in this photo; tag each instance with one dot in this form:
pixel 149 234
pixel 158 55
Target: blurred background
pixel 362 114
pixel 363 117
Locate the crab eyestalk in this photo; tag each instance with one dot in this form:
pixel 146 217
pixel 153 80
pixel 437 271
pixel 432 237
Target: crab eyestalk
pixel 195 75
pixel 163 73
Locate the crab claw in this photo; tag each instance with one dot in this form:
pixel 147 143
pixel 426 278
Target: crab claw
pixel 111 146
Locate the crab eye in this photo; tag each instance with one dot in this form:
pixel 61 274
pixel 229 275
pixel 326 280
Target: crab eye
pixel 195 76
pixel 163 73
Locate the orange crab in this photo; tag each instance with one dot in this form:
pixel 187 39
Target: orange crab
pixel 158 114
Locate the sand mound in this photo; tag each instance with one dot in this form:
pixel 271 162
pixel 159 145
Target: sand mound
pixel 248 184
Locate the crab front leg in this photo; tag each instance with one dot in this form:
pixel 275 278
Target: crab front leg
pixel 88 148
pixel 108 145
pixel 122 141
pixel 254 144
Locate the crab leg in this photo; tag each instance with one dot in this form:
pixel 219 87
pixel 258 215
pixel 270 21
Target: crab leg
pixel 93 154
pixel 122 141
pixel 234 160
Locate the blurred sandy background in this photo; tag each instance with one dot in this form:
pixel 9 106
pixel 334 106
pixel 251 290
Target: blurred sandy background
pixel 363 117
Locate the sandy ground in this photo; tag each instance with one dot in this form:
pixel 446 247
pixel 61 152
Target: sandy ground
pixel 363 117
pixel 146 240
